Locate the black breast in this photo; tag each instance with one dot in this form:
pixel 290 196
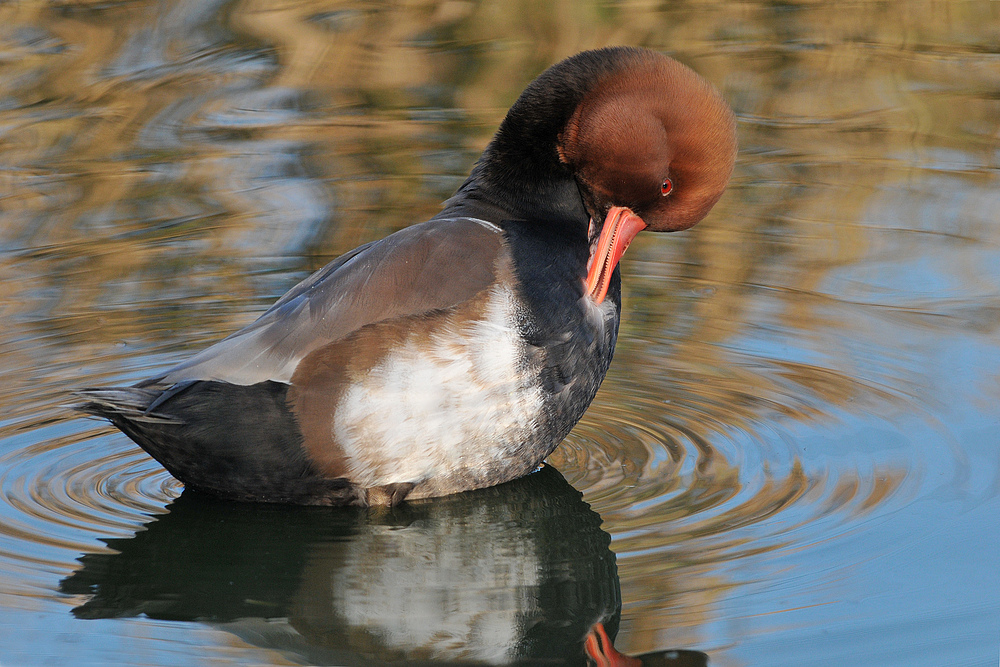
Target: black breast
pixel 574 341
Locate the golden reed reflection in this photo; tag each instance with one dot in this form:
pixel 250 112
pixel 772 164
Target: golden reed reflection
pixel 114 105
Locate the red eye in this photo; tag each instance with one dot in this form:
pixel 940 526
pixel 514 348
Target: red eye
pixel 666 188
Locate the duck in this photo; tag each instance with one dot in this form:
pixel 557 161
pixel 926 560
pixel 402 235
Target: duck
pixel 458 352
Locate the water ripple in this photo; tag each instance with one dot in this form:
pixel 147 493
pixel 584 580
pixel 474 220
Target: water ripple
pixel 69 488
pixel 690 478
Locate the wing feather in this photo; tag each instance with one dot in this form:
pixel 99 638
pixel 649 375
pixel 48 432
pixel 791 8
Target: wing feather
pixel 420 269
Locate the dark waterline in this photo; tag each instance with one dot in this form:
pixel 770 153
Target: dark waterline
pixel 793 461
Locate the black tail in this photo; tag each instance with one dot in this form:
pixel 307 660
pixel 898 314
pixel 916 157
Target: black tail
pixel 236 441
pixel 132 403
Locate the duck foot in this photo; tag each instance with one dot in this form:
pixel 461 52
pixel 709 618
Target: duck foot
pixel 388 495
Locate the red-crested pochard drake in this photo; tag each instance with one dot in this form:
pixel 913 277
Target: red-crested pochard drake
pixel 456 353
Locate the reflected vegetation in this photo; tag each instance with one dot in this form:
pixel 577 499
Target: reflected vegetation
pixel 807 375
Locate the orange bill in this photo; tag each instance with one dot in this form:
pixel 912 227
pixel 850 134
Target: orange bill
pixel 602 652
pixel 620 227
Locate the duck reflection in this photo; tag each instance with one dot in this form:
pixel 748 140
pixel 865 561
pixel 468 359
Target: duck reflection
pixel 515 574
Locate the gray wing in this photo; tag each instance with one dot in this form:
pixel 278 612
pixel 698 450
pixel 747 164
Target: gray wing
pixel 426 267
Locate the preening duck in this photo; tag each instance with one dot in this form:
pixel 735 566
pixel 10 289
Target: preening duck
pixel 458 352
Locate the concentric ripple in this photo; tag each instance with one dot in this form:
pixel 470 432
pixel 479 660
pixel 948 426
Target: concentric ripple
pixel 68 487
pixel 701 470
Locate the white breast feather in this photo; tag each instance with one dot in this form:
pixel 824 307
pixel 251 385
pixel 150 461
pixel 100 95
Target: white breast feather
pixel 465 400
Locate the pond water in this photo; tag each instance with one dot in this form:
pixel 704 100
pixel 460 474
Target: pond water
pixel 793 461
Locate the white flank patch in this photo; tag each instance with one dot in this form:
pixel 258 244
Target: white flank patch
pixel 464 400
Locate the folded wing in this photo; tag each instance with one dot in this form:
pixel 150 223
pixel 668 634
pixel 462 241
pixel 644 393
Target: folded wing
pixel 420 269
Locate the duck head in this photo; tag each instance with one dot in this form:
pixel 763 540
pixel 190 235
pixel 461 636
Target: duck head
pixel 653 137
pixel 652 147
pixel 642 141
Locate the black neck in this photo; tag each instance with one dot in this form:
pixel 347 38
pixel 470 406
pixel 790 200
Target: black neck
pixel 519 175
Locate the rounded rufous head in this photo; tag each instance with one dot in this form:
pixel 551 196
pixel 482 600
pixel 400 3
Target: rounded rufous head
pixel 652 136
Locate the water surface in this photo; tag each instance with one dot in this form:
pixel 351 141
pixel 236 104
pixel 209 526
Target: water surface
pixel 793 460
